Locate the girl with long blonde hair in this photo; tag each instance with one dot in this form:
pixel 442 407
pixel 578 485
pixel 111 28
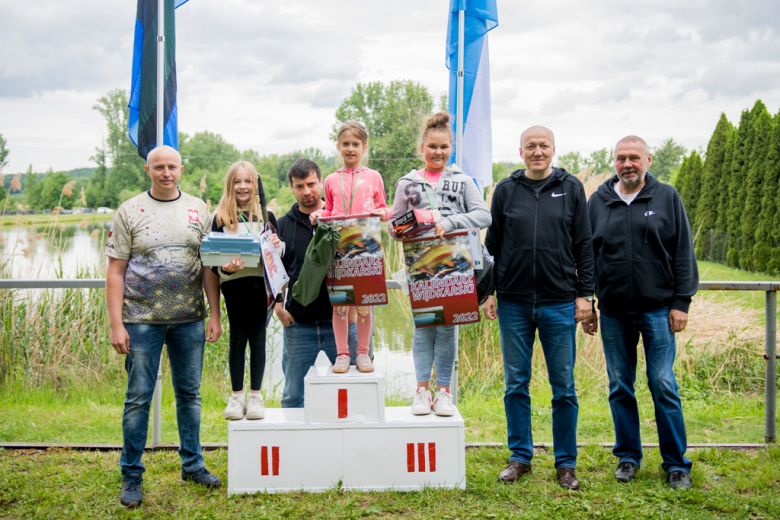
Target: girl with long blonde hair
pixel 239 212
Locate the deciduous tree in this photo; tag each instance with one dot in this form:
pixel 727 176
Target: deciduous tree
pixel 393 114
pixel 667 158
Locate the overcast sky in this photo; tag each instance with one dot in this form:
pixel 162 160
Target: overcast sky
pixel 269 75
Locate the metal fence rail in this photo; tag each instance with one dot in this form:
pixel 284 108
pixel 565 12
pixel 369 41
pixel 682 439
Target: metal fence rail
pixel 770 335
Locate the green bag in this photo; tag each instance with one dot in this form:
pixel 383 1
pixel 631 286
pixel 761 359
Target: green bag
pixel 319 258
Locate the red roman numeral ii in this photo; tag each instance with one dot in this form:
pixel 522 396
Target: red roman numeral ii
pixel 274 460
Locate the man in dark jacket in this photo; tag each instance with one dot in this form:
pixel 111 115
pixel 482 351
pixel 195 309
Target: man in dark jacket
pixel 646 274
pixel 307 329
pixel 540 239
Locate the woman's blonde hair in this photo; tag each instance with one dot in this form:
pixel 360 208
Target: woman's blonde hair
pixel 438 122
pixel 227 211
pixel 359 131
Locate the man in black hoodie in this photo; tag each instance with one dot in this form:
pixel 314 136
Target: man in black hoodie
pixel 646 274
pixel 540 239
pixel 309 329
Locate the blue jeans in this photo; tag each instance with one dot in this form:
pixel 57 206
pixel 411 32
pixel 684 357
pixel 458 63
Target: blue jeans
pixel 302 344
pixel 435 344
pixel 620 336
pixel 185 344
pixel 518 323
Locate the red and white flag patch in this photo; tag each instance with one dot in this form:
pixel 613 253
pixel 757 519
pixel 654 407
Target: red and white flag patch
pixel 193 213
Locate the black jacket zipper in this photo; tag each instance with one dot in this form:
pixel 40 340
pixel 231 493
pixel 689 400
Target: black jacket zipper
pixel 536 219
pixel 630 257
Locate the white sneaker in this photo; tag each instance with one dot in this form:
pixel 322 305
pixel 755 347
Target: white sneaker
pixel 255 408
pixel 442 403
pixel 235 408
pixel 422 402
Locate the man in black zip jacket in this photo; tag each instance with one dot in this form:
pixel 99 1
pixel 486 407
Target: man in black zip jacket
pixel 541 241
pixel 646 274
pixel 309 329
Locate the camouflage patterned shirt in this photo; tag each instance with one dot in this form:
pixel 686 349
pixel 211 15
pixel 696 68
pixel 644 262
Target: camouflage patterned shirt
pixel 161 242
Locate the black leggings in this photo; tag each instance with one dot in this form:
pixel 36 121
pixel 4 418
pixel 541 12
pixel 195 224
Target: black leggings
pixel 245 302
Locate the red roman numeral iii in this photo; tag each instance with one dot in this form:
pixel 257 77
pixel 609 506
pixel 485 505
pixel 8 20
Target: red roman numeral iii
pixel 410 454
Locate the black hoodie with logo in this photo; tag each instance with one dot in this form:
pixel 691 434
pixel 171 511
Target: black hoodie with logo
pixel 541 241
pixel 644 251
pixel 296 232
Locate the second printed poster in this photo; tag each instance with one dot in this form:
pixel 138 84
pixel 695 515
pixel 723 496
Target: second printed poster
pixel 357 276
pixel 440 274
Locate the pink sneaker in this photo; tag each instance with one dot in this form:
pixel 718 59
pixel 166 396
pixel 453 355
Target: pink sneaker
pixel 341 366
pixel 364 363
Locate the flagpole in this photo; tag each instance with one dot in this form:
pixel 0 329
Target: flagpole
pixel 459 162
pixel 157 399
pixel 459 115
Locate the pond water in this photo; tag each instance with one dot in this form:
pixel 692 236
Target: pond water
pixel 77 251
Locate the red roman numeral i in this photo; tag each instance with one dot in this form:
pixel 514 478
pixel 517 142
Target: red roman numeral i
pixel 343 412
pixel 410 456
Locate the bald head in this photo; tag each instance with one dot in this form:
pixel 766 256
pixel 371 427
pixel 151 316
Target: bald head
pixel 537 131
pixel 163 151
pixel 163 164
pixel 635 140
pixel 537 147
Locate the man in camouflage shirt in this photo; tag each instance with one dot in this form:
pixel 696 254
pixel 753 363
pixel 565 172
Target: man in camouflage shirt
pixel 154 294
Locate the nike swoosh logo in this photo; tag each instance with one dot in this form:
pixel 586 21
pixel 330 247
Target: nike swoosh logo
pixel 558 194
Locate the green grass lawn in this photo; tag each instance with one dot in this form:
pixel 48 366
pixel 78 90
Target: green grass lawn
pixel 70 484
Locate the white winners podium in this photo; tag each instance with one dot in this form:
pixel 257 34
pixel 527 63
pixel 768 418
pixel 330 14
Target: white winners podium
pixel 345 434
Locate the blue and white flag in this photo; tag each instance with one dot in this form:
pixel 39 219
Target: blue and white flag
pixel 481 17
pixel 142 123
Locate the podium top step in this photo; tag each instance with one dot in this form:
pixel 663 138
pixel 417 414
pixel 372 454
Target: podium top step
pixel 323 375
pixel 395 417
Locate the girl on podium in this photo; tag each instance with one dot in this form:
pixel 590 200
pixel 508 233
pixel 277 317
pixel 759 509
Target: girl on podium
pixel 352 190
pixel 456 203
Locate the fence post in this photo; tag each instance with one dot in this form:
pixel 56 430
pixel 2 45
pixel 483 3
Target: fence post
pixel 770 401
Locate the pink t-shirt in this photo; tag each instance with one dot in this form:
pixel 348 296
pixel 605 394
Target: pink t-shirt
pixel 430 177
pixel 369 192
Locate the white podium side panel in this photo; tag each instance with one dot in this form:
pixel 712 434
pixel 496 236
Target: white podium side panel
pixel 277 460
pixel 404 459
pixel 353 397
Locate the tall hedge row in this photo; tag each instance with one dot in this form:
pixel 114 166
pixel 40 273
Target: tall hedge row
pixel 735 190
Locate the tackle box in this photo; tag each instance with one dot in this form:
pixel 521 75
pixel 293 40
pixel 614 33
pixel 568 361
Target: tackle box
pixel 218 249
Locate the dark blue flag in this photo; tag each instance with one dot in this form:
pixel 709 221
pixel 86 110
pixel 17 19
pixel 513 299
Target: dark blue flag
pixel 142 125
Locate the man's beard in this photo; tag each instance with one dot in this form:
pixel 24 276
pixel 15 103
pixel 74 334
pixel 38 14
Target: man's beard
pixel 308 204
pixel 632 184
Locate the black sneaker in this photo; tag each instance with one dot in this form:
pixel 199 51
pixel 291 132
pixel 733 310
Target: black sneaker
pixel 626 471
pixel 679 480
pixel 132 490
pixel 201 476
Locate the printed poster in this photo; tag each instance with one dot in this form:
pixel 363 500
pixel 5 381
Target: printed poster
pixel 440 273
pixel 357 276
pixel 274 270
